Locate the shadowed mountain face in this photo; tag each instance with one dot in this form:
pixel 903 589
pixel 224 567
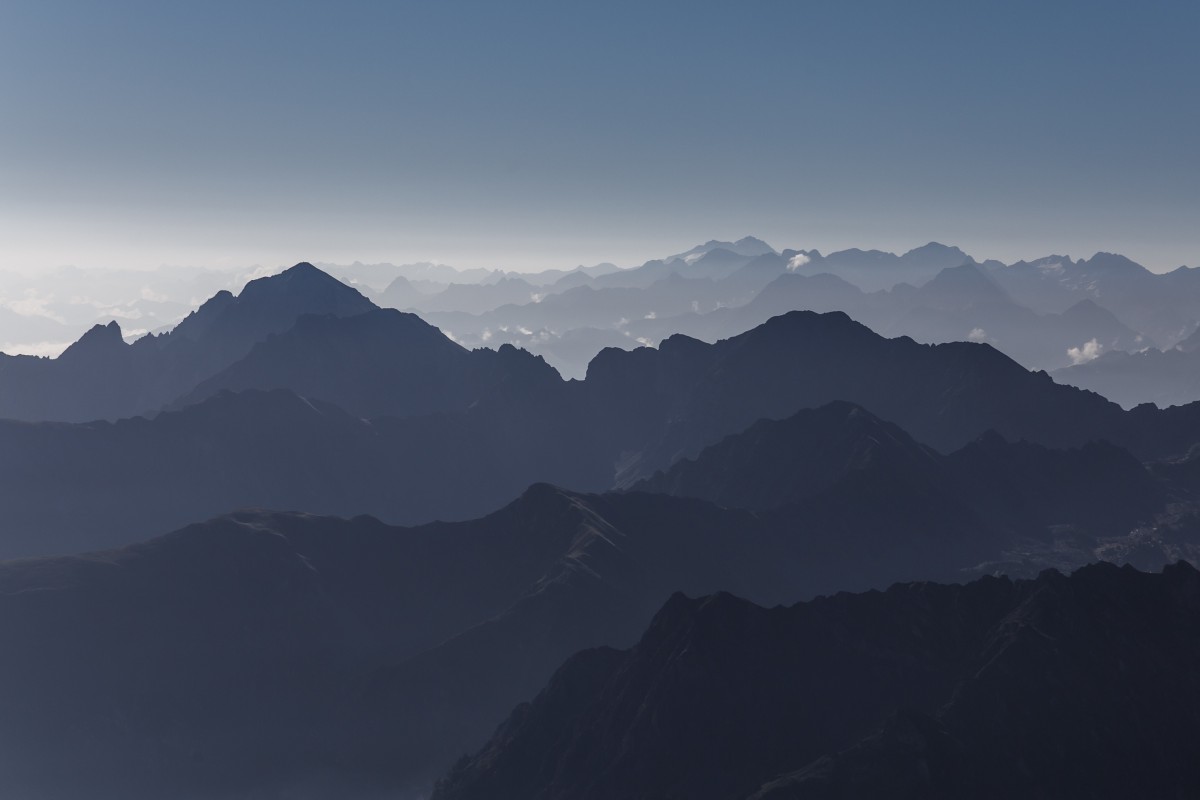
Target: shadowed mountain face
pixel 774 463
pixel 262 651
pixel 842 453
pixel 1051 687
pixel 220 660
pixel 129 479
pixel 102 377
pixel 348 653
pixel 940 394
pixel 326 652
pixel 379 363
pixel 454 433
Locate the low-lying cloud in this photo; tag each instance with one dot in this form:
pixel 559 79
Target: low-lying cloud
pixel 797 261
pixel 1090 351
pixel 43 349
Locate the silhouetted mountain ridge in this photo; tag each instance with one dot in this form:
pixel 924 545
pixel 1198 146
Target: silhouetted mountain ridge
pixel 378 363
pixel 101 377
pixel 378 633
pixel 773 463
pixel 1073 678
pixel 482 425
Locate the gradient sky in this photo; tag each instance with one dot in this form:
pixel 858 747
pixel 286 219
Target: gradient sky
pixel 529 135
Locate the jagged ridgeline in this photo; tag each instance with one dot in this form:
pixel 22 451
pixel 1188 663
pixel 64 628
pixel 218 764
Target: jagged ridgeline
pixel 1075 686
pixel 382 654
pixel 300 394
pixel 455 532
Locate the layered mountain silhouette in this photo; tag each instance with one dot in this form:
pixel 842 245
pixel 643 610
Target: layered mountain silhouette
pixel 774 463
pixel 128 480
pixel 262 651
pixel 772 447
pixel 955 303
pixel 102 377
pixel 379 363
pixel 488 307
pixel 873 270
pixel 713 291
pixel 958 304
pixel 350 652
pixel 1163 377
pixel 841 452
pixel 1054 687
pixel 1164 307
pixel 470 298
pixel 747 246
pixel 402 423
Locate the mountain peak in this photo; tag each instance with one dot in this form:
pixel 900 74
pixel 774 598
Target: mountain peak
pixel 98 339
pixel 849 661
pixel 746 243
pixel 945 255
pixel 272 304
pixel 747 246
pixel 303 278
pixel 1114 263
pixel 301 268
pixel 965 283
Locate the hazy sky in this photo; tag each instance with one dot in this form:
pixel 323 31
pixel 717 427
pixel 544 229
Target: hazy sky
pixel 520 134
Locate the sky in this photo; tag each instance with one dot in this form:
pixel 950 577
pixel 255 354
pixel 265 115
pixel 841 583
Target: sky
pixel 527 135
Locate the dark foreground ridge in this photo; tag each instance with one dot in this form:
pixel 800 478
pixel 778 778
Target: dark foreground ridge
pixel 359 655
pixel 1079 686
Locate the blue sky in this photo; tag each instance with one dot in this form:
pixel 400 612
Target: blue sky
pixel 527 135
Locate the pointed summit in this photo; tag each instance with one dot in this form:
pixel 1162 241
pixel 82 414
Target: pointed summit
pixel 273 304
pixel 100 340
pixel 306 284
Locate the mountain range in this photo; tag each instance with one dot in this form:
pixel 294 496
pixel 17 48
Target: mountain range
pixel 1162 377
pixel 102 377
pixel 1058 686
pixel 407 539
pixel 963 303
pixel 347 652
pixel 715 293
pixel 374 411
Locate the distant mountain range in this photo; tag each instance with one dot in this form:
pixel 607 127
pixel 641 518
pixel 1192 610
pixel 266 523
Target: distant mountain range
pixel 962 303
pixel 1047 314
pixel 42 312
pixel 1075 686
pixel 1163 377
